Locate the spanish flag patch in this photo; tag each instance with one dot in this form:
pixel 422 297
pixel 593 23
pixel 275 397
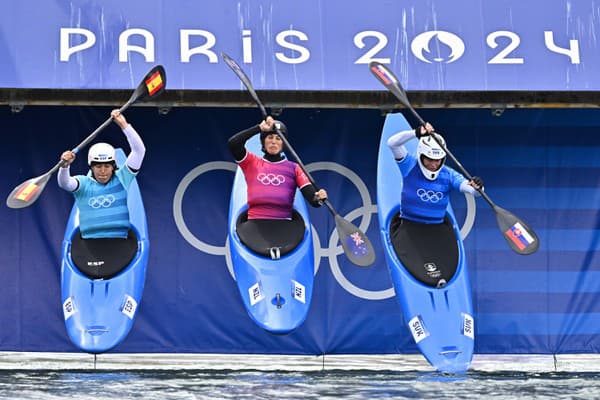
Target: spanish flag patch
pixel 26 192
pixel 154 83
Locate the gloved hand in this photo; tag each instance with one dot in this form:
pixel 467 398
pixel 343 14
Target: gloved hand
pixel 423 130
pixel 477 181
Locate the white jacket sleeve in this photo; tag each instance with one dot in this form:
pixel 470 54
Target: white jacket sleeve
pixel 138 150
pixel 66 181
pixel 466 188
pixel 396 143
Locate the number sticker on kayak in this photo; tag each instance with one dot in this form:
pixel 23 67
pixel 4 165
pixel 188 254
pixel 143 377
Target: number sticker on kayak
pixel 255 294
pixel 468 326
pixel 298 291
pixel 417 328
pixel 69 308
pixel 129 306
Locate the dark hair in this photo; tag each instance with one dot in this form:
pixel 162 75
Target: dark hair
pixel 113 163
pixel 282 129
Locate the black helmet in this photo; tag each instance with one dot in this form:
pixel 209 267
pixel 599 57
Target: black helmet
pixel 281 128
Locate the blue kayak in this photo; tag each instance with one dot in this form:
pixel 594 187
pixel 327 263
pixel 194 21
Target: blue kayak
pixel 99 310
pixel 274 262
pixel 438 312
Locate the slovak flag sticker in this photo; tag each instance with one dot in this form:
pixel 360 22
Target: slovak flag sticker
pixel 519 236
pixel 383 74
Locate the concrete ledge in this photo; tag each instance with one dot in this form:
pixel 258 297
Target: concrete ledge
pixel 262 362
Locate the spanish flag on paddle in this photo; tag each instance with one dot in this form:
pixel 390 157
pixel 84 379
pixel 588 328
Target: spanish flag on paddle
pixel 26 192
pixel 154 83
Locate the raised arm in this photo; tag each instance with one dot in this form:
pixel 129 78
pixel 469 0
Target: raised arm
pixel 237 142
pixel 65 180
pixel 138 149
pixel 397 141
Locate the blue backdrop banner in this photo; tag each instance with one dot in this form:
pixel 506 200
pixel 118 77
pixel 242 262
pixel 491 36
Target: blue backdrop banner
pixel 303 45
pixel 541 165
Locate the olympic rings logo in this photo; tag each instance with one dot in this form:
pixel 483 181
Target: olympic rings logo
pixel 101 201
pixel 270 179
pixel 429 196
pixel 332 251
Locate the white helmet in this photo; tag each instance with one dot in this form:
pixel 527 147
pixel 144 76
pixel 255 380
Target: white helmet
pixel 101 153
pixel 429 148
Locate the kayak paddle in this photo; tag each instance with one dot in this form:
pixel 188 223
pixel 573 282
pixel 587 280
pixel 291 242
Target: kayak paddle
pixel 520 237
pixel 28 192
pixel 356 244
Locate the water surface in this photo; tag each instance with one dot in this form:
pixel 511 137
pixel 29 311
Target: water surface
pixel 231 384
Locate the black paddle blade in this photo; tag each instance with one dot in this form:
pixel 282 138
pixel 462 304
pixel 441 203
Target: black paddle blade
pixel 27 192
pixel 356 244
pixel 245 80
pixel 519 236
pixel 389 80
pixel 153 84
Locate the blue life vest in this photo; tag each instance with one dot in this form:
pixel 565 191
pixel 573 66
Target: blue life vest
pixel 424 200
pixel 103 211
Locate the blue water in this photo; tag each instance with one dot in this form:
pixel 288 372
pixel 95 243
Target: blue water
pixel 230 384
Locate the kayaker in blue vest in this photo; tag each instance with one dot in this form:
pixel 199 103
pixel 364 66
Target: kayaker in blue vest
pixel 102 197
pixel 427 183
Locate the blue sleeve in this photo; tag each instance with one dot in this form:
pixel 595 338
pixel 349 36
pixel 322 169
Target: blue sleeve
pixel 125 176
pixel 83 184
pixel 407 164
pixel 456 179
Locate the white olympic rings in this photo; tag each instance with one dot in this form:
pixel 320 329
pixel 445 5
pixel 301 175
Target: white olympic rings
pixel 429 196
pixel 332 251
pixel 103 201
pixel 270 179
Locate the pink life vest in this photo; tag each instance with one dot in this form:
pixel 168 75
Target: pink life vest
pixel 271 186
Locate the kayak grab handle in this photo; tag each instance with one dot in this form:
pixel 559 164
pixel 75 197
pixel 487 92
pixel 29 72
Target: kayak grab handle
pixel 448 352
pixel 96 330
